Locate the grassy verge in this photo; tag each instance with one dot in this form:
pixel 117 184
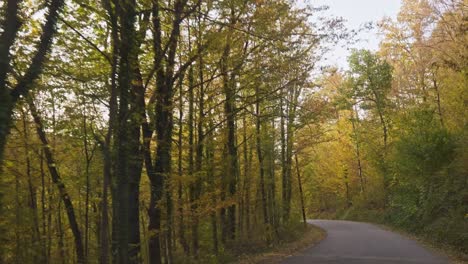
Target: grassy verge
pixel 274 254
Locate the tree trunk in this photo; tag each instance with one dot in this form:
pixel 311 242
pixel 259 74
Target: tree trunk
pixel 301 193
pixel 37 238
pixel 212 183
pixel 180 205
pixel 10 25
pixel 43 204
pixel 164 120
pixel 358 153
pixel 346 182
pixel 439 108
pixel 88 157
pixel 61 245
pixel 261 164
pixel 58 182
pixel 284 166
pixel 106 146
pixel 231 174
pixel 191 172
pixel 246 187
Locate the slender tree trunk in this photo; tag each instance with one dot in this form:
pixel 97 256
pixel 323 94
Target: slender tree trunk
pixel 43 205
pixel 384 128
pixel 50 209
pixel 107 171
pixel 87 166
pixel 231 175
pixel 191 171
pixel 358 153
pixel 274 215
pixel 212 183
pixel 346 182
pixel 261 164
pixel 106 146
pixel 379 106
pixel 439 108
pixel 284 170
pixel 291 116
pixel 18 218
pixel 61 245
pixel 199 145
pixel 59 183
pixel 301 193
pixel 246 187
pixel 37 238
pixel 180 206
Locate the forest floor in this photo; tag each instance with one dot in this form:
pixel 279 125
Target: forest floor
pixel 278 252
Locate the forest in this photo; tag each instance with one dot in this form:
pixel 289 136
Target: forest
pixel 190 131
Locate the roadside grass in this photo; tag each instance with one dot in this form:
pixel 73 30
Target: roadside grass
pixel 305 238
pixel 263 245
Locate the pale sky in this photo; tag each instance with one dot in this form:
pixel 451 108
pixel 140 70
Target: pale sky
pixel 357 13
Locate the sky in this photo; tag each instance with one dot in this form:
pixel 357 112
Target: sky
pixel 356 13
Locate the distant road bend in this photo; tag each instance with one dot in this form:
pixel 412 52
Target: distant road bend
pixel 361 243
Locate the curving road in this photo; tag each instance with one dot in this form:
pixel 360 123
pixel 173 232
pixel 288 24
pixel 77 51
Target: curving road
pixel 361 243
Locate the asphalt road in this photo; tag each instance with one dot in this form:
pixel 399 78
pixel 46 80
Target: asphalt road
pixel 353 242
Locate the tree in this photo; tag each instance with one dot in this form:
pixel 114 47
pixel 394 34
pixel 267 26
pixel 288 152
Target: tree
pixel 371 79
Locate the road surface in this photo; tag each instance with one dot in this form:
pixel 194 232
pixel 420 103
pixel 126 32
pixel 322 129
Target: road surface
pixel 361 243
